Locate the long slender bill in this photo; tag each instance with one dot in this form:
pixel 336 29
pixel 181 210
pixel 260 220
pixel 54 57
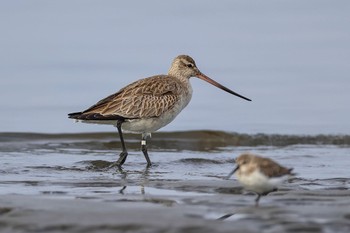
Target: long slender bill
pixel 211 81
pixel 231 173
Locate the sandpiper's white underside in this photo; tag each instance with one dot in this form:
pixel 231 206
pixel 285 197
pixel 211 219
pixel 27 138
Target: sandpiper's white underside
pixel 259 183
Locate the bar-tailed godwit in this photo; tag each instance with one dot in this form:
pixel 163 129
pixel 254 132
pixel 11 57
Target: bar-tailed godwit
pixel 260 175
pixel 148 104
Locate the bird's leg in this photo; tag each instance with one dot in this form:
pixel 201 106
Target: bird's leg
pixel 124 153
pixel 257 200
pixel 144 149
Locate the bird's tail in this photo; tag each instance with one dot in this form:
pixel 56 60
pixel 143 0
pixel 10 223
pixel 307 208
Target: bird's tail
pixel 75 115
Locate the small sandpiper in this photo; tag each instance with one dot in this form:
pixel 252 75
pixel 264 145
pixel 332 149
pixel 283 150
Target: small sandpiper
pixel 148 104
pixel 260 175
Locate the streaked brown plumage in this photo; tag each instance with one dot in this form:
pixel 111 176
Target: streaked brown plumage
pixel 145 98
pixel 260 175
pixel 266 165
pixel 148 104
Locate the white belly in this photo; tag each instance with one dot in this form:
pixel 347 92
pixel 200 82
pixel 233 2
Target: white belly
pixel 147 125
pixel 259 183
pixel 150 125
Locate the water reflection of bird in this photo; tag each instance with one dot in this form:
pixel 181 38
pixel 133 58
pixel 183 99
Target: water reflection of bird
pixel 148 104
pixel 260 175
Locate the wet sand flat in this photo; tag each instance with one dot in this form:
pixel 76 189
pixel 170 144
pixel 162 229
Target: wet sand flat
pixel 66 183
pixel 293 212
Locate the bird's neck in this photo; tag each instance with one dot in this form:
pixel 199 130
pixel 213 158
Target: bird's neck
pixel 183 78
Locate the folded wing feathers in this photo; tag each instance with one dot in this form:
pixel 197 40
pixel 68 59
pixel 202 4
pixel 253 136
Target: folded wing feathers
pixel 145 98
pixel 275 170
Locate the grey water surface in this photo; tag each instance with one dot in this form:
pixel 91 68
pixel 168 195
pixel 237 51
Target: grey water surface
pixel 290 57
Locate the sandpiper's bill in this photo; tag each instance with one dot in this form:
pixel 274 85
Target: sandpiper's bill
pixel 148 104
pixel 260 175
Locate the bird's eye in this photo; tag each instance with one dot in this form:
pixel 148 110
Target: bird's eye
pixel 244 162
pixel 189 65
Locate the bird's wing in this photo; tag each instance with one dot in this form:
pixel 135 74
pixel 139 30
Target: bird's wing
pixel 145 98
pixel 273 169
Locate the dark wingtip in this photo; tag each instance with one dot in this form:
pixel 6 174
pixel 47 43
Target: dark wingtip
pixel 74 115
pixel 94 116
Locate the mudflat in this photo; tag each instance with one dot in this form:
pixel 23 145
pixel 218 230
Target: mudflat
pixel 68 183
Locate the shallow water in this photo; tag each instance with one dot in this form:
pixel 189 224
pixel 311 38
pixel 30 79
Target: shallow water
pixel 188 172
pixel 290 58
pixel 33 159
